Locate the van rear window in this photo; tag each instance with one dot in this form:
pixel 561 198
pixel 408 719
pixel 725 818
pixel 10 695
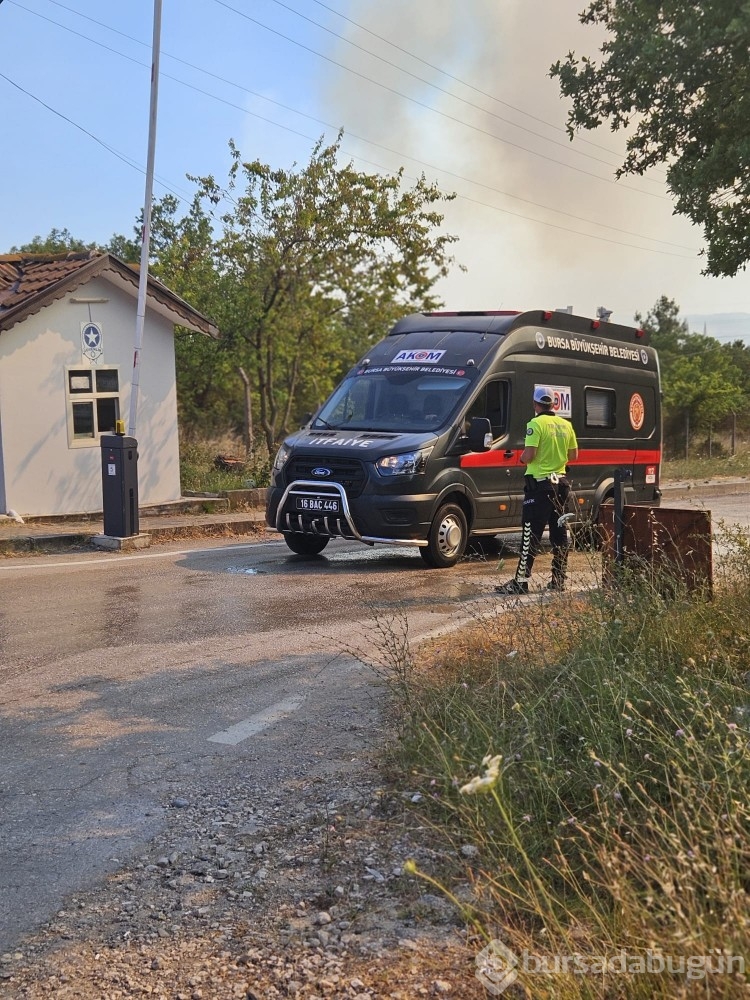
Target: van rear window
pixel 600 407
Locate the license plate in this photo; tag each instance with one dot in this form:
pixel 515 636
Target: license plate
pixel 328 505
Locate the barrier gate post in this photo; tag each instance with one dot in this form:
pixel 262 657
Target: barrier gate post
pixel 619 524
pixel 120 485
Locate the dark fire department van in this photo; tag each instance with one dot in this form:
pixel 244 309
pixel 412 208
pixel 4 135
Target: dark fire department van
pixel 420 444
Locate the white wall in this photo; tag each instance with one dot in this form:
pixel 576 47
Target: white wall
pixel 3 505
pixel 43 474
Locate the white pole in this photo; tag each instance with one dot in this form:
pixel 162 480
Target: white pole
pixel 146 236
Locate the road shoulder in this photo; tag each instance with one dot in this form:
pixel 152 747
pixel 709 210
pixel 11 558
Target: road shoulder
pixel 297 890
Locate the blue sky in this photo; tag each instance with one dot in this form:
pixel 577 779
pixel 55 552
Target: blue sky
pixel 457 89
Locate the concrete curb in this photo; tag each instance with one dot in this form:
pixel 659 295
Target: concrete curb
pixel 248 526
pixel 61 541
pixel 707 489
pixel 24 544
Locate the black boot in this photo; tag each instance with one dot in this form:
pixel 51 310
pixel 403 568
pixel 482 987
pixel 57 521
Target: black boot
pixel 559 569
pixel 513 587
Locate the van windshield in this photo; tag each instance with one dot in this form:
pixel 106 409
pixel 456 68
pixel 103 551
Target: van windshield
pixel 396 400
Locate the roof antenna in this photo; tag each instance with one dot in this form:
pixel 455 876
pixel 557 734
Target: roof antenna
pixel 603 314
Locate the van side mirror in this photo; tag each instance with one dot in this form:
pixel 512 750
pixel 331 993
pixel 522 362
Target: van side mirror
pixel 480 434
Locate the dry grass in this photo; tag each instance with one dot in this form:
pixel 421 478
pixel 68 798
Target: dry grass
pixel 613 731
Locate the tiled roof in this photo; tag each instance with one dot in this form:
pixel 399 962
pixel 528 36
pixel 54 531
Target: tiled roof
pixel 28 282
pixel 24 275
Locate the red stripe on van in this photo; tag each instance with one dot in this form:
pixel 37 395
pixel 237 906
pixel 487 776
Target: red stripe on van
pixel 586 456
pixel 618 456
pixel 490 458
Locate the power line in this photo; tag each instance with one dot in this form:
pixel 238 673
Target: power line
pixel 495 208
pixel 443 90
pixel 431 166
pixel 442 114
pixel 377 83
pixel 310 138
pixel 329 125
pixel 443 72
pixel 110 149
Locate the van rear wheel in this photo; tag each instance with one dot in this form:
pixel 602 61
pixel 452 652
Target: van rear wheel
pixel 306 545
pixel 446 542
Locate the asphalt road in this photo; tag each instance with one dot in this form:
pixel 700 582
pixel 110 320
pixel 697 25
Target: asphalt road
pixel 729 508
pixel 128 681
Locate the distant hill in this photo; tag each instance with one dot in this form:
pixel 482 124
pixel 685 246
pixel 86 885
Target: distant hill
pixel 723 326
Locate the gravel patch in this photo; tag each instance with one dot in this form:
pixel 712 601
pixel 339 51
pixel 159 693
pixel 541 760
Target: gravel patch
pixel 250 892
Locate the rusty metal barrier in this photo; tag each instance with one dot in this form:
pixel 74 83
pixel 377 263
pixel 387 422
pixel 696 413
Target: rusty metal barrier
pixel 669 543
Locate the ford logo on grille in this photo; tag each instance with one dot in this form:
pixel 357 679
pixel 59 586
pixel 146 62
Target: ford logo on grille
pixel 321 473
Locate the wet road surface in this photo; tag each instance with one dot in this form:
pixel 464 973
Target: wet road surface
pixel 126 681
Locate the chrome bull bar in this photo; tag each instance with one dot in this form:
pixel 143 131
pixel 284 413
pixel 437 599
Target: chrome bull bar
pixel 340 524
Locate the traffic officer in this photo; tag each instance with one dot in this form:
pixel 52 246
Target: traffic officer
pixel 550 444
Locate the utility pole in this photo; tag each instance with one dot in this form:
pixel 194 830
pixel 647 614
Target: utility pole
pixel 120 452
pixel 146 233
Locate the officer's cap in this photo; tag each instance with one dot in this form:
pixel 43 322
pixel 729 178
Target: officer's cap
pixel 543 395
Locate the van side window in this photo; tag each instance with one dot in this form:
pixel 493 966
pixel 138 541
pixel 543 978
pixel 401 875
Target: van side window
pixel 600 408
pixel 492 402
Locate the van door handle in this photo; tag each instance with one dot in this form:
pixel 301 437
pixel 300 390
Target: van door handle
pixel 508 453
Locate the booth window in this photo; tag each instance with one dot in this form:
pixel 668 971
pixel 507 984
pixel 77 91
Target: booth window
pixel 600 408
pixel 93 404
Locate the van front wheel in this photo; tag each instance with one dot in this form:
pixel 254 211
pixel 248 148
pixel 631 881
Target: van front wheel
pixel 446 542
pixel 306 545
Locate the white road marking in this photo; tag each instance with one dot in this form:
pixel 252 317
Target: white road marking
pixel 258 722
pixel 166 554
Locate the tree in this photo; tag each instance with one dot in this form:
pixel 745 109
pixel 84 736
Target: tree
pixel 57 241
pixel 701 384
pixel 668 331
pixel 62 241
pixel 678 71
pixel 306 268
pixel 185 258
pixel 124 248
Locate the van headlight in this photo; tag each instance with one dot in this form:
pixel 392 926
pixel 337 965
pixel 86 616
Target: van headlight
pixel 403 465
pixel 281 456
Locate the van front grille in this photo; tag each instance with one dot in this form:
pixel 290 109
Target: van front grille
pixel 349 472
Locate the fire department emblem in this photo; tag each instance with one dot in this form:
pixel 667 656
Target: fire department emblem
pixel 636 411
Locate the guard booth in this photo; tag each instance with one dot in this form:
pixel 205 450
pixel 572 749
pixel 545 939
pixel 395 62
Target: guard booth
pixel 668 545
pixel 120 485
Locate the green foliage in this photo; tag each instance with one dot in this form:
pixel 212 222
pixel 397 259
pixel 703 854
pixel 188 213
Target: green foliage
pixel 300 270
pixel 57 241
pixel 124 248
pixel 62 241
pixel 703 468
pixel 677 74
pixel 702 379
pixel 618 818
pixel 199 472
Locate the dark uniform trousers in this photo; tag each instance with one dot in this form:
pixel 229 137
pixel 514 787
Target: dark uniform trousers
pixel 544 503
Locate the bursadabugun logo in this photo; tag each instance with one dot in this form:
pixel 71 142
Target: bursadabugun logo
pixel 496 967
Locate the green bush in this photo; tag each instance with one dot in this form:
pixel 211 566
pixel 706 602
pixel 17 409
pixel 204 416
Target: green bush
pixel 720 465
pixel 199 472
